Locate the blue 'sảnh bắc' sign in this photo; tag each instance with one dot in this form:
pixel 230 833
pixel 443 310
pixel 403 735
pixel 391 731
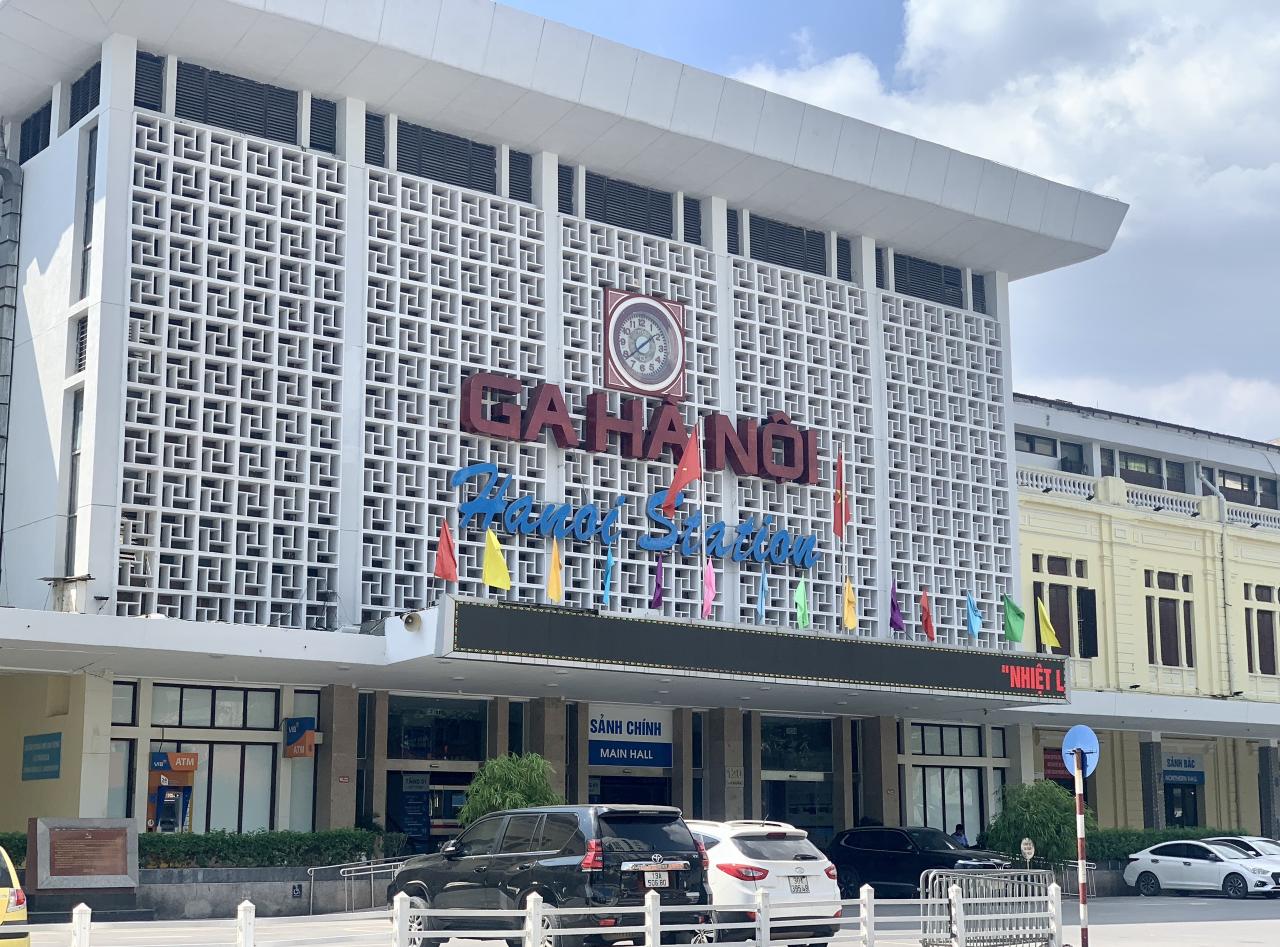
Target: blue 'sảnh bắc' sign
pixel 41 756
pixel 622 735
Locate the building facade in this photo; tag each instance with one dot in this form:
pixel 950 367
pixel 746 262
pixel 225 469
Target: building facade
pixel 298 288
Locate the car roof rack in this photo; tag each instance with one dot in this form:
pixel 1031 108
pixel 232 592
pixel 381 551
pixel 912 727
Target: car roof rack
pixel 763 822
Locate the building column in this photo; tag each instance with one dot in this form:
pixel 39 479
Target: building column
pixel 752 768
pixel 880 770
pixel 1020 748
pixel 1269 789
pixel 545 735
pixel 722 764
pixel 376 758
pixel 842 777
pixel 336 758
pixel 1151 758
pixel 497 731
pixel 95 750
pixel 682 760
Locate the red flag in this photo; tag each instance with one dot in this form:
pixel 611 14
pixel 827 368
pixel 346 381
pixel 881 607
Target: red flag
pixel 688 471
pixel 446 558
pixel 926 615
pixel 842 514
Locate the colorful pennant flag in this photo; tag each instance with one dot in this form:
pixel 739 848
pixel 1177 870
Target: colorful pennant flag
pixel 1047 635
pixel 841 514
pixel 446 557
pixel 801 600
pixel 496 575
pixel 973 615
pixel 762 592
pixel 555 581
pixel 656 600
pixel 926 615
pixel 1015 619
pixel 895 613
pixel 688 471
pixel 708 588
pixel 850 606
pixel 608 576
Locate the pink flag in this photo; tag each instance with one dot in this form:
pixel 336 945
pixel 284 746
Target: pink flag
pixel 708 588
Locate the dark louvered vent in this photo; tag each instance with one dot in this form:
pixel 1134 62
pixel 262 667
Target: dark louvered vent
pixel 520 175
pixel 692 220
pixel 733 225
pixel 880 268
pixel 913 276
pixel 148 83
pixel 239 104
pixel 844 259
pixel 324 125
pixel 84 93
pixel 35 132
pixel 979 293
pixel 375 139
pixel 787 245
pixel 444 157
pixel 564 193
pixel 633 206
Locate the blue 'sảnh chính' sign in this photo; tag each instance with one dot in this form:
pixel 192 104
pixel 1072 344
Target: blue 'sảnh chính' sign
pixel 625 735
pixel 41 756
pixel 619 753
pixel 750 540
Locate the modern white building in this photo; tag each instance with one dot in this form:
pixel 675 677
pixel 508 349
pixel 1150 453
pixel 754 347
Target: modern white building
pixel 286 269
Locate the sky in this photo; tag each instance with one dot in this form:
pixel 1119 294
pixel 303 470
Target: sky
pixel 1170 105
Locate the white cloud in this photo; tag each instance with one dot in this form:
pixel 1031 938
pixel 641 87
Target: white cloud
pixel 1166 104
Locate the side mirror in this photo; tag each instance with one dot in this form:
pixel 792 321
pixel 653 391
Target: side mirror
pixel 451 849
pixel 1214 858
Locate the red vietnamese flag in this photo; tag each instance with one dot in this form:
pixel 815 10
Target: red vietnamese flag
pixel 446 558
pixel 926 615
pixel 841 514
pixel 688 471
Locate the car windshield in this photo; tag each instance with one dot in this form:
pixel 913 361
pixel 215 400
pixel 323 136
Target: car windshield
pixel 1266 846
pixel 1230 852
pixel 934 840
pixel 775 848
pixel 1233 845
pixel 644 835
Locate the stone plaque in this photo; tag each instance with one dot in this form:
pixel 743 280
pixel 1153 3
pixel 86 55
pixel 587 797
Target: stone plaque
pixel 81 852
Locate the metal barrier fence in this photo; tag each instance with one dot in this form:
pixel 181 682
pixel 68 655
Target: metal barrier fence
pixel 1001 907
pixel 954 920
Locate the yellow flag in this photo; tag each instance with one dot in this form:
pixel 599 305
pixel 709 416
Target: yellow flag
pixel 555 585
pixel 496 575
pixel 1047 634
pixel 850 606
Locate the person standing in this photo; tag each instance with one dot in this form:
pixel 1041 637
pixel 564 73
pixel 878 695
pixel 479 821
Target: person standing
pixel 959 837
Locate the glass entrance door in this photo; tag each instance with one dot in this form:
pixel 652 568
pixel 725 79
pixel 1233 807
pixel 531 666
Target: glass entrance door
pixel 1181 805
pixel 629 790
pixel 801 799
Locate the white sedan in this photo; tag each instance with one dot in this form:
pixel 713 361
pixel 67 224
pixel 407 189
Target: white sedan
pixel 749 856
pixel 1199 866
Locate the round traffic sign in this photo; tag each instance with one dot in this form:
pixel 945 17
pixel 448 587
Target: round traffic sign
pixel 1080 737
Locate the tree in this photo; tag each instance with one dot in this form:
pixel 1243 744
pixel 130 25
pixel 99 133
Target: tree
pixel 509 782
pixel 1043 812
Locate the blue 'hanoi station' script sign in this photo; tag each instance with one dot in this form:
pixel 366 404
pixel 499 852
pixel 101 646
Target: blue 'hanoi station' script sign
pixel 752 540
pixel 621 735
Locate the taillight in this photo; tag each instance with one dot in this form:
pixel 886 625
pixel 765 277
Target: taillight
pixel 17 899
pixel 831 872
pixel 702 853
pixel 744 872
pixel 594 859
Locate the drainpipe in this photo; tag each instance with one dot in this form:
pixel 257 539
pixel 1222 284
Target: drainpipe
pixel 1222 558
pixel 10 220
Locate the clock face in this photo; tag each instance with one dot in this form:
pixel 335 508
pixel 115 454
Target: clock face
pixel 644 346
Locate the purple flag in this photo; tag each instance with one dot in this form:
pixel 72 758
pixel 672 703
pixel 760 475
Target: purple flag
pixel 656 601
pixel 895 613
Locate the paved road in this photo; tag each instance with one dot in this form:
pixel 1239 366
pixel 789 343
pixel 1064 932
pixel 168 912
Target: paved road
pixel 1115 922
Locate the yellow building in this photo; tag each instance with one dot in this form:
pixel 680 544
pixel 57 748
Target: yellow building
pixel 1156 549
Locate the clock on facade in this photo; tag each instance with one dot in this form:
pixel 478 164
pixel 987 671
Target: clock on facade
pixel 643 344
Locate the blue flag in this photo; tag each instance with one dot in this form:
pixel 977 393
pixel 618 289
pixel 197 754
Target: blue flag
pixel 974 616
pixel 608 576
pixel 762 592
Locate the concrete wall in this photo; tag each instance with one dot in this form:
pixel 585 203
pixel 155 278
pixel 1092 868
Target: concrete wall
pixel 194 893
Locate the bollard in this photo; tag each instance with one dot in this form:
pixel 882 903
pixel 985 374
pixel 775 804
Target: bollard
pixel 762 918
pixel 533 920
pixel 1055 915
pixel 652 920
pixel 958 938
pixel 80 918
pixel 867 915
pixel 245 915
pixel 400 920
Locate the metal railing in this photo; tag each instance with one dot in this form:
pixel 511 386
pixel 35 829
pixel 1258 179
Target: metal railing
pixel 351 874
pixel 956 919
pixel 1010 906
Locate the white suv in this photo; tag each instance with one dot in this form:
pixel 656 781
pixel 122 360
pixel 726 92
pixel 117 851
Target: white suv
pixel 749 856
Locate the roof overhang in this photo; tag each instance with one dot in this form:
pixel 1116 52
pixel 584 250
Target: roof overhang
pixel 496 73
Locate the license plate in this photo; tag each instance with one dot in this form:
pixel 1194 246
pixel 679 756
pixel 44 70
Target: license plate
pixel 799 884
pixel 657 879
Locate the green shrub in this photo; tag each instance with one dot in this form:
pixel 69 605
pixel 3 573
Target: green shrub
pixel 1045 813
pixel 15 843
pixel 509 782
pixel 263 849
pixel 1116 845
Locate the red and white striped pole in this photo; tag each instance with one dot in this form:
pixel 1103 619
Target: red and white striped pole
pixel 1081 871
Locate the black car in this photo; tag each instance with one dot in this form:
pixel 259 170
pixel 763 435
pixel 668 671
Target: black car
pixel 596 857
pixel 891 860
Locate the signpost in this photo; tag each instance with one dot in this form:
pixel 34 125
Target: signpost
pixel 1080 753
pixel 1028 848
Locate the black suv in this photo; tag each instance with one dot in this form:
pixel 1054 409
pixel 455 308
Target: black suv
pixel 891 860
pixel 595 857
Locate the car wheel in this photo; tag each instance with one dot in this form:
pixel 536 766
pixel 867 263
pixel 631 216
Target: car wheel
pixel 1235 887
pixel 418 924
pixel 1148 885
pixel 849 882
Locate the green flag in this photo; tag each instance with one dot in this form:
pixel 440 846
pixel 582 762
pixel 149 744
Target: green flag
pixel 1014 620
pixel 802 604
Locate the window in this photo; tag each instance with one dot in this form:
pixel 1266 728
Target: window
pixel 1267 493
pixel 124 703
pixel 430 728
pixel 324 125
pixel 1059 565
pixel 520 834
pixel 560 833
pixel 564 189
pixel 242 105
pixel 375 139
pixel 928 739
pixel 520 175
pixel 1140 469
pixel 1260 632
pixel 788 245
pixel 73 483
pixel 1237 487
pixel 120 779
pixel 925 279
pixel 692 220
pixel 1035 444
pixel 733 228
pixel 175 705
pixel 148 83
pixel 631 206
pixel 1072 605
pixel 979 285
pixel 1072 457
pixel 1107 459
pixel 515 727
pixel 997 743
pixel 479 839
pixel 880 252
pixel 844 259
pixel 1170 622
pixel 90 201
pixel 1175 476
pixel 80 346
pixel 443 157
pixel 234 788
pixel 795 744
pixel 946 796
pixel 84 94
pixel 34 135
